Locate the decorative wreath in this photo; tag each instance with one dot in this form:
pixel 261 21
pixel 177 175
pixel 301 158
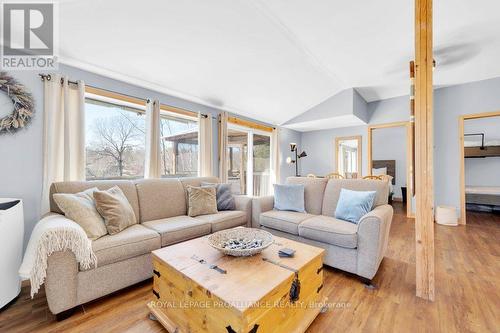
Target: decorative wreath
pixel 23 105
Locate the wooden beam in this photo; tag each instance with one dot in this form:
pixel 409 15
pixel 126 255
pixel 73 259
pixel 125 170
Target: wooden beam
pixel 424 223
pixel 250 124
pixel 114 95
pixel 139 101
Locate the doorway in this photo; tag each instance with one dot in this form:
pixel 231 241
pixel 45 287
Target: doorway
pixel 390 153
pixel 249 161
pixel 479 142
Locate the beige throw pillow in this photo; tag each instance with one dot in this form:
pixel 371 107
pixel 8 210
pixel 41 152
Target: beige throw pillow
pixel 201 200
pixel 80 207
pixel 114 207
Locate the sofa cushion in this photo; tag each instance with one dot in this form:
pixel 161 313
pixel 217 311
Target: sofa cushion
pixel 314 189
pixel 330 230
pixel 225 219
pixel 126 186
pixel 332 192
pixel 160 198
pixel 283 220
pixel 134 241
pixel 178 228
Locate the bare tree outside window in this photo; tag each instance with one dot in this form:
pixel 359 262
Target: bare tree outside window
pixel 115 142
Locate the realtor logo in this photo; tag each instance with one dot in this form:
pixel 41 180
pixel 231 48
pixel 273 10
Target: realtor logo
pixel 28 36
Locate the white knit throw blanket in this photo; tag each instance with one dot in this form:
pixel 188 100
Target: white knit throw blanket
pixel 54 233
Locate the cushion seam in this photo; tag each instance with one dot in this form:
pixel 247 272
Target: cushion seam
pixel 355 246
pixel 129 243
pixel 228 220
pixel 327 231
pixel 281 219
pixel 176 230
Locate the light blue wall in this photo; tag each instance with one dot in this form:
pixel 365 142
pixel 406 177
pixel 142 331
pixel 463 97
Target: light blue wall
pixel 287 136
pixel 337 105
pixel 449 104
pixel 321 144
pixel 360 107
pixel 21 156
pixel 320 148
pixel 389 110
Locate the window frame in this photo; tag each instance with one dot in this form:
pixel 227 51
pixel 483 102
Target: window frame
pixel 119 99
pixel 250 133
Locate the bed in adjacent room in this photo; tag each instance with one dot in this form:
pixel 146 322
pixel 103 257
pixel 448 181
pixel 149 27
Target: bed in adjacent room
pixel 483 198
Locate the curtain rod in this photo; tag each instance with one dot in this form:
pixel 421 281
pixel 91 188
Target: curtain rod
pixel 48 77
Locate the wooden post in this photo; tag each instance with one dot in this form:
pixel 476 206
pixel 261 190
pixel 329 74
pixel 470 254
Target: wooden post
pixel 424 223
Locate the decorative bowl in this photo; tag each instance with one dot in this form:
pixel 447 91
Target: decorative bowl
pixel 240 242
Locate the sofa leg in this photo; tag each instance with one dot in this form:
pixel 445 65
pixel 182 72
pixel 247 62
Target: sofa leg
pixel 65 314
pixel 368 283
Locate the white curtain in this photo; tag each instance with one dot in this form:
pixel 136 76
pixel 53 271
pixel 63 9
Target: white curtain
pixel 275 157
pixel 223 147
pixel 63 133
pixel 205 162
pixel 152 167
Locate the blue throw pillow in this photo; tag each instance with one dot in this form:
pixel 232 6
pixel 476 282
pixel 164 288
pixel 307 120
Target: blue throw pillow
pixel 289 197
pixel 353 205
pixel 225 198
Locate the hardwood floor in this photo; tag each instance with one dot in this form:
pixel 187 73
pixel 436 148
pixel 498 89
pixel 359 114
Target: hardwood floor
pixel 467 291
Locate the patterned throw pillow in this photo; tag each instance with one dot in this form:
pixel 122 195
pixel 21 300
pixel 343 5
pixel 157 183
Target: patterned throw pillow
pixel 225 197
pixel 114 207
pixel 201 200
pixel 80 207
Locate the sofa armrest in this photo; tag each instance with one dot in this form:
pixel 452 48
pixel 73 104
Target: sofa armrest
pixel 244 203
pixel 373 237
pixel 61 281
pixel 259 206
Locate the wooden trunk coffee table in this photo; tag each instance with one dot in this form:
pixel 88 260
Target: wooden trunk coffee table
pixel 253 295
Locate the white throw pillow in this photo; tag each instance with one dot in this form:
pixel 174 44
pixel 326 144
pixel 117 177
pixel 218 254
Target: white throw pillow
pixel 379 171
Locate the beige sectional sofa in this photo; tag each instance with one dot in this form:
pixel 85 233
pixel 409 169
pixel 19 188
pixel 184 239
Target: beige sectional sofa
pixel 355 248
pixel 123 259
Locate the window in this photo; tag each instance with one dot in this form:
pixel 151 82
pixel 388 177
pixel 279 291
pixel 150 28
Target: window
pixel 114 140
pixel 261 165
pixel 179 145
pixel 249 160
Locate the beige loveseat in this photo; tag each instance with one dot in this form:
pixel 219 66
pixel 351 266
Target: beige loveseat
pixel 123 259
pixel 356 248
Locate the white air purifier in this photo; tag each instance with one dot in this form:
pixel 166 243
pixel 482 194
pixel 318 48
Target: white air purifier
pixel 11 248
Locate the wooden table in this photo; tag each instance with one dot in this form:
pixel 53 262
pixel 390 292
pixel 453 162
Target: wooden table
pixel 252 296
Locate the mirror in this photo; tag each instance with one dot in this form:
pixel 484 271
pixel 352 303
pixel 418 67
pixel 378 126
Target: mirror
pixel 348 156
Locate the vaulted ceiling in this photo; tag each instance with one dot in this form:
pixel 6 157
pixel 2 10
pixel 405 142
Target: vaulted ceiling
pixel 275 59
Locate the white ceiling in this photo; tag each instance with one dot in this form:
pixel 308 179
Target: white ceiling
pixel 274 59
